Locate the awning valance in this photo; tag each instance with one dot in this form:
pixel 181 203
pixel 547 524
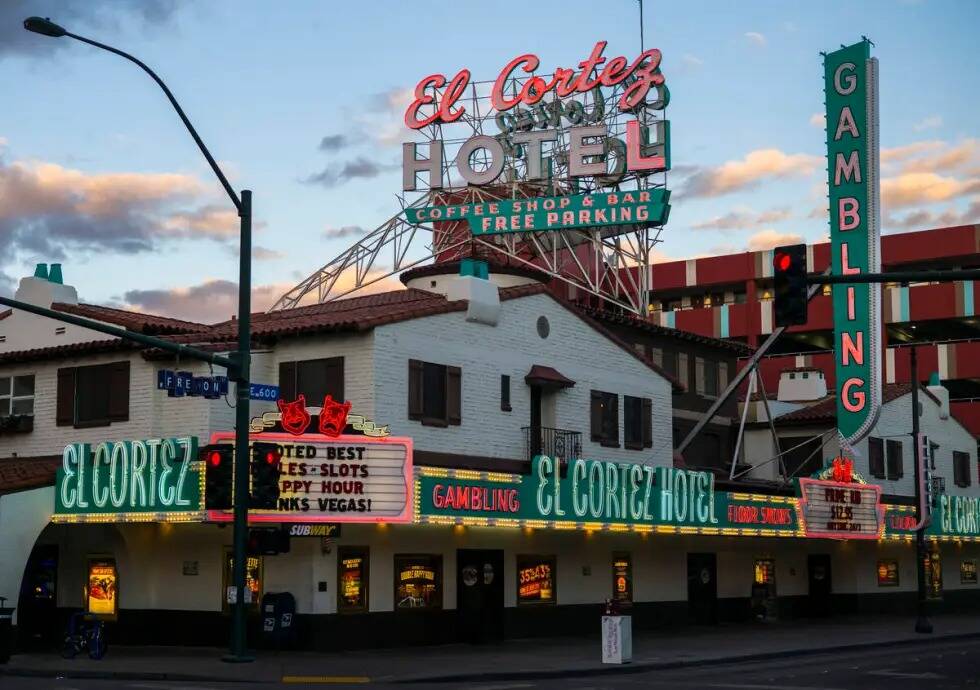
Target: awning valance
pixel 546 377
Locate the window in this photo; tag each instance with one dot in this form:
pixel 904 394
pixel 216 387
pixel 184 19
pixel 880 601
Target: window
pixel 961 468
pixel 505 393
pixel 434 393
pixel 536 580
pixel 637 422
pixel 801 456
pixel 314 379
pixel 622 572
pixel 669 362
pixel 102 589
pixel 93 396
pixel 876 457
pixel 418 582
pixel 710 377
pixel 253 582
pixel 968 572
pixel 888 573
pixel 893 459
pixel 764 571
pixel 605 418
pixel 17 395
pixel 352 579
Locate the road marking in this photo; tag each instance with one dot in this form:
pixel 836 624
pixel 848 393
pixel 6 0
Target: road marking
pixel 761 686
pixel 506 687
pixel 325 680
pixel 887 672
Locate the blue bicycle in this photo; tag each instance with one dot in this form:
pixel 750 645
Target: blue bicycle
pixel 85 632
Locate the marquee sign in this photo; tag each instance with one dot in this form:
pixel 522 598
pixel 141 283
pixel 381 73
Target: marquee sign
pixel 336 479
pixel 129 481
pixel 601 495
pixel 836 510
pixel 851 94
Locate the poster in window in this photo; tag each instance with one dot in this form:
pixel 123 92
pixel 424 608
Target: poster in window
pixel 253 580
pixel 888 573
pixel 765 572
pixel 934 575
pixel 968 572
pixel 352 579
pixel 536 580
pixel 102 589
pixel 418 582
pixel 622 569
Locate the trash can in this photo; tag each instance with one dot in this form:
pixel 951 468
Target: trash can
pixel 278 618
pixel 6 631
pixel 617 635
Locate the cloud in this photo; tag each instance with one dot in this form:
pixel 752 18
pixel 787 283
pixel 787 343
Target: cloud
pixel 215 221
pixel 691 62
pixel 915 188
pixel 750 171
pixel 900 153
pixel 924 219
pixel 742 218
pixel 358 168
pixel 931 122
pixel 756 38
pixel 767 239
pixel 344 232
pixel 819 120
pixel 943 157
pixel 105 14
pixel 266 254
pixel 334 142
pixel 46 209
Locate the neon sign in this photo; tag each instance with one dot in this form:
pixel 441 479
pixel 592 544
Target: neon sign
pixel 837 510
pixel 333 418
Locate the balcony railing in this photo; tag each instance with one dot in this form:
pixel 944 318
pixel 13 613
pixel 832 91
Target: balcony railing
pixel 556 443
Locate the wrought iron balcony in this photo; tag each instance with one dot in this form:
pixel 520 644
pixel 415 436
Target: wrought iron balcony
pixel 556 443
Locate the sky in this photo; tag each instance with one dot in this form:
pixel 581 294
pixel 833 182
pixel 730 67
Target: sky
pixel 302 103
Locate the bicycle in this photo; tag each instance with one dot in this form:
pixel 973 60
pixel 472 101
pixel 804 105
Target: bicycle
pixel 85 632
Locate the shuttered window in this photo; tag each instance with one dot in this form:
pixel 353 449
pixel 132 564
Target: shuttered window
pixel 637 422
pixel 94 395
pixel 893 459
pixel 505 393
pixel 314 379
pixel 434 393
pixel 876 457
pixel 961 468
pixel 604 416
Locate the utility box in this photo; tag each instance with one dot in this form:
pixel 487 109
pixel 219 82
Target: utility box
pixel 617 639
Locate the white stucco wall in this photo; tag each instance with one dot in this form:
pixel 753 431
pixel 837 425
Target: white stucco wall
pixel 23 516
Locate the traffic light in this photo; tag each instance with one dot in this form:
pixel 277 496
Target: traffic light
pixel 265 475
pixel 267 541
pixel 789 285
pixel 219 465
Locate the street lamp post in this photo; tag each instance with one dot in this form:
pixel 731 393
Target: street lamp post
pixel 240 360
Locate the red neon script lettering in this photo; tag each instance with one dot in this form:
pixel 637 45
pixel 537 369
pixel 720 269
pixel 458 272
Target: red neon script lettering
pixel 443 108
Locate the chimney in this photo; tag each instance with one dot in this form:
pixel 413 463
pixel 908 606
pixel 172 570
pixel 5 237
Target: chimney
pixel 45 287
pixel 941 393
pixel 801 384
pixel 473 285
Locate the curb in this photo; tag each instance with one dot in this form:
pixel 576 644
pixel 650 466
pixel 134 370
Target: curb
pixel 85 674
pixel 644 667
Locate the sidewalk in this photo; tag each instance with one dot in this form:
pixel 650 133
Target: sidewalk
pixel 514 659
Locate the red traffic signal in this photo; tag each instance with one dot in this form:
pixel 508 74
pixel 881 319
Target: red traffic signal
pixel 219 463
pixel 265 475
pixel 789 285
pixel 781 261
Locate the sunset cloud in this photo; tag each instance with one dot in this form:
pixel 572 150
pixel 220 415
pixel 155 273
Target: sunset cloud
pixel 756 167
pixel 743 218
pixel 919 188
pixel 767 239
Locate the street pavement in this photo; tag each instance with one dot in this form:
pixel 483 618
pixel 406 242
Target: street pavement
pixel 908 667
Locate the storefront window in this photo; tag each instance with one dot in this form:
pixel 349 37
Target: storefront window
pixel 888 573
pixel 418 582
pixel 102 588
pixel 536 580
pixel 934 575
pixel 622 572
pixel 968 572
pixel 765 571
pixel 253 582
pixel 352 579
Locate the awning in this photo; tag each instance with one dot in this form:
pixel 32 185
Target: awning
pixel 546 377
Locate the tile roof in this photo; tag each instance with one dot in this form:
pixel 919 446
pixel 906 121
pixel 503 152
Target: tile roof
pixel 5 314
pixel 22 474
pixel 825 410
pixel 150 324
pixel 68 350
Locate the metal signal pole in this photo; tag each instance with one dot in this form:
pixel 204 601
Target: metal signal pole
pixel 922 624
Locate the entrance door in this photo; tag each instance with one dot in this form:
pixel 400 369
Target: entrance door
pixel 535 431
pixel 480 594
pixel 702 588
pixel 821 585
pixel 37 605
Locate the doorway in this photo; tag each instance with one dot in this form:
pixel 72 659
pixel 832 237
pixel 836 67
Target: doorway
pixel 820 584
pixel 480 595
pixel 702 588
pixel 37 605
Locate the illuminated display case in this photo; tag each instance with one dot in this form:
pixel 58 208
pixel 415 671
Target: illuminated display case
pixel 968 572
pixel 536 583
pixel 888 573
pixel 934 574
pixel 253 582
pixel 622 573
pixel 102 588
pixel 352 579
pixel 418 582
